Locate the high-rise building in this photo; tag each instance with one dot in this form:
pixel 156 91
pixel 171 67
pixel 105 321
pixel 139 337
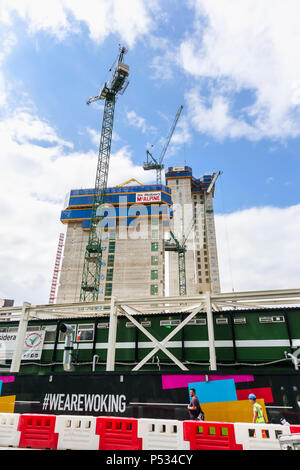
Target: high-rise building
pixel 6 303
pixel 135 218
pixel 134 228
pixel 194 218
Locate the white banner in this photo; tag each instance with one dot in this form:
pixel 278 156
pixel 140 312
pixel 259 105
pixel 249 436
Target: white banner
pixel 148 197
pixel 33 345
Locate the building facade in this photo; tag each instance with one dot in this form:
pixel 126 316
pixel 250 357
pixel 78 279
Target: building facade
pixel 134 229
pixel 194 219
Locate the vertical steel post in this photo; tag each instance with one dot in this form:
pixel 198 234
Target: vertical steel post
pixel 211 335
pixel 112 336
pixel 23 323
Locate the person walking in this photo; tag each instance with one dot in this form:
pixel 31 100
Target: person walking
pixel 194 407
pixel 258 414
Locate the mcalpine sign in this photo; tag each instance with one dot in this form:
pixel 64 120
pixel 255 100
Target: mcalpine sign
pixel 33 345
pixel 148 197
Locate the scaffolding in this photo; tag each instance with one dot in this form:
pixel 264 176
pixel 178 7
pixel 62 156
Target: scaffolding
pixel 56 270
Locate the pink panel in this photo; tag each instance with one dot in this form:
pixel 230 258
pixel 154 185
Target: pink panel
pixel 180 381
pixel 7 378
pixel 265 393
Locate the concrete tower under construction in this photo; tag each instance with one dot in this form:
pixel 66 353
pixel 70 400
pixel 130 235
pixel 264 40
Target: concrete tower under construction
pixel 135 228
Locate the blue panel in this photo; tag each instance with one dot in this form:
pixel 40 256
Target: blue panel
pixel 186 168
pixel 81 201
pixel 86 223
pixel 178 174
pixel 215 391
pixel 76 214
pixel 112 212
pixel 84 197
pixel 0 387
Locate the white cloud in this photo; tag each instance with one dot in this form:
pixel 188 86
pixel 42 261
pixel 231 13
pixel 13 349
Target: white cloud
pixel 38 168
pixel 162 65
pixel 182 134
pixel 213 116
pixel 139 122
pixel 247 46
pixel 23 126
pixel 95 136
pixel 7 41
pixel 122 169
pixel 38 15
pixel 129 20
pixel 258 248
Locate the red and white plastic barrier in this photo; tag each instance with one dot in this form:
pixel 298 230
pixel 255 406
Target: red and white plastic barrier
pixel 259 436
pixel 76 432
pixel 118 433
pixel 162 434
pixel 204 435
pixel 9 434
pixel 39 431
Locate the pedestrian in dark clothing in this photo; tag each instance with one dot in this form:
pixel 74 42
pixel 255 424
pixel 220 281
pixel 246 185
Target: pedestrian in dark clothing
pixel 194 407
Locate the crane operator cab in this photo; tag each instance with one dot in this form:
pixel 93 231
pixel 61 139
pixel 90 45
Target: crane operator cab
pixel 119 81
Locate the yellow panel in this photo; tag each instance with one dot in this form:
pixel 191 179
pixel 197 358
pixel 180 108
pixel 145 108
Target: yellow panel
pixel 240 411
pixel 7 404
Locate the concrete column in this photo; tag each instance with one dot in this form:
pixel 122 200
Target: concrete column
pixel 112 336
pixel 211 335
pixel 23 323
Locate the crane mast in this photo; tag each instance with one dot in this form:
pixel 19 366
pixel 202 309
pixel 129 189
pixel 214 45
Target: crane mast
pixel 93 253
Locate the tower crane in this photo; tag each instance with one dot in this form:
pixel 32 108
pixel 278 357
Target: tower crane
pixel 180 247
pixel 93 253
pixel 156 164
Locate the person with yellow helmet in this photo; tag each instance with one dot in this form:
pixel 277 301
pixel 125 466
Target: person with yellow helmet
pixel 258 414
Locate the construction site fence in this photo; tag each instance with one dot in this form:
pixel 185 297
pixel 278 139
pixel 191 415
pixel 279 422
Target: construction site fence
pixel 71 432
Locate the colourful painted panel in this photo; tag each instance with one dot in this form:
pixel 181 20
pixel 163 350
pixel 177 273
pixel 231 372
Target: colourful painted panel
pixel 240 411
pixel 7 378
pixel 7 404
pixel 180 381
pixel 265 393
pixel 215 391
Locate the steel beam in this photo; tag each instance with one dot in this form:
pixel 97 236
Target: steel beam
pixel 159 344
pixel 19 347
pixel 248 299
pixel 112 336
pixel 211 335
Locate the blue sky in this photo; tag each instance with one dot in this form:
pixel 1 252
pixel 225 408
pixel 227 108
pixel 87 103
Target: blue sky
pixel 233 66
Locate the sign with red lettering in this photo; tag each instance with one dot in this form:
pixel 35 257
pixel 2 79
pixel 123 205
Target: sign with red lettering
pixel 148 197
